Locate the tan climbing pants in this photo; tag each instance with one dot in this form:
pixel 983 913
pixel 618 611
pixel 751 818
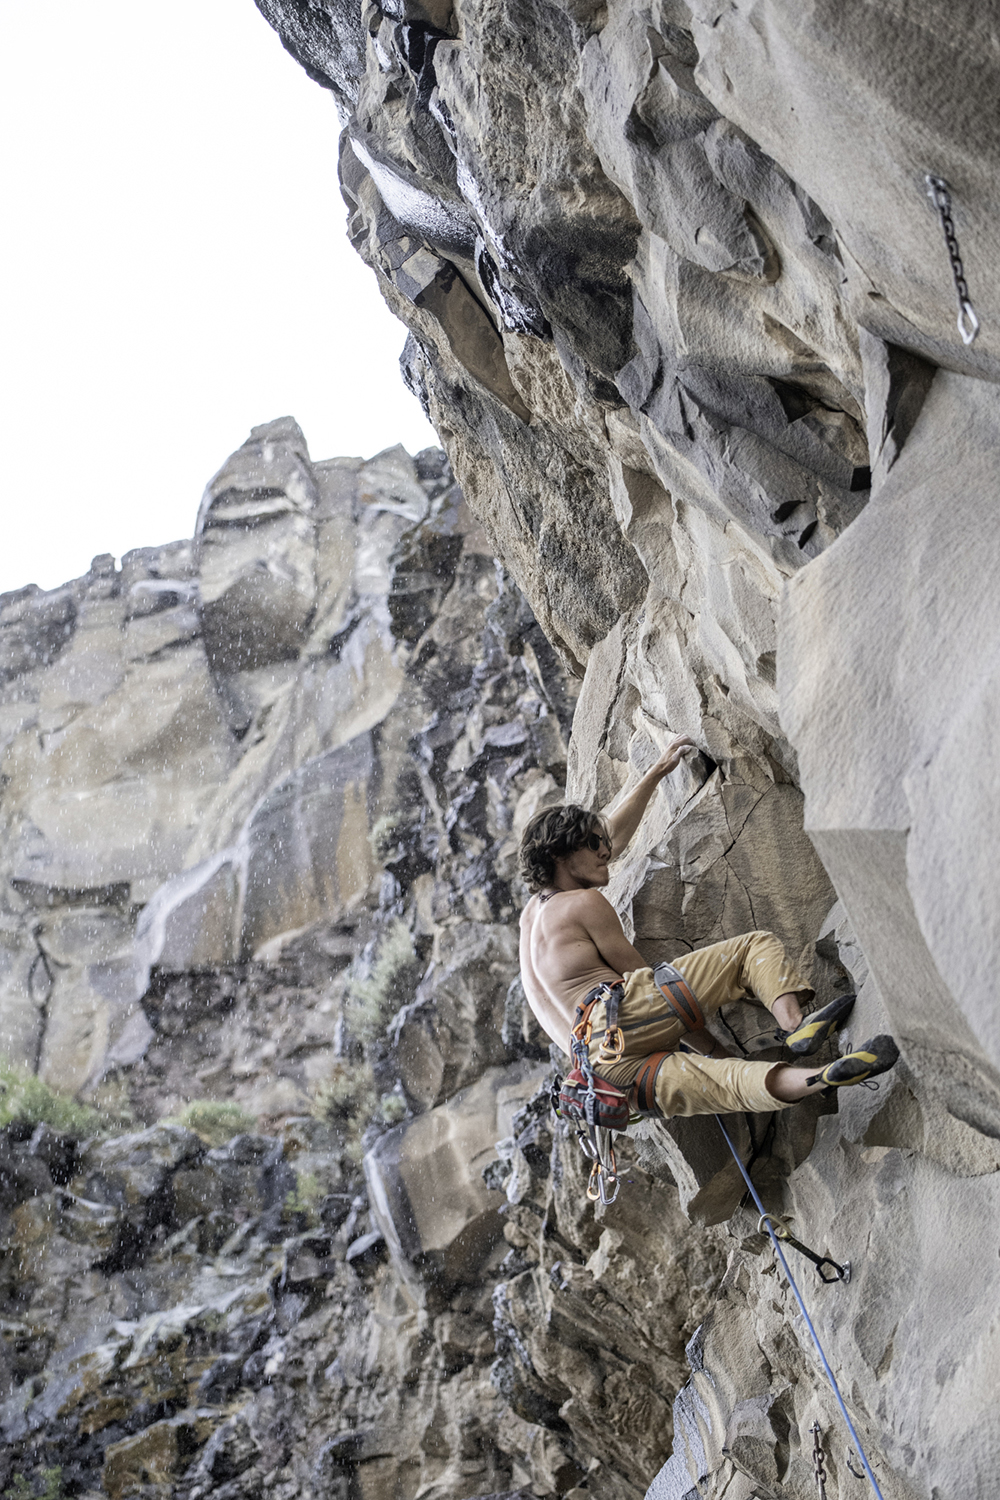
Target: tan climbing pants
pixel 753 965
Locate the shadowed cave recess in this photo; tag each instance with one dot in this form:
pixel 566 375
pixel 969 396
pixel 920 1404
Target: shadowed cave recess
pixel 284 1211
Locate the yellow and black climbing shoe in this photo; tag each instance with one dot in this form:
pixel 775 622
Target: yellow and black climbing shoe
pixel 810 1036
pixel 875 1056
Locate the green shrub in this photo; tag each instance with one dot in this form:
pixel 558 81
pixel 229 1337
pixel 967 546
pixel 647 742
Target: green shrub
pixel 373 991
pixel 49 1479
pixel 392 1108
pixel 216 1121
pixel 348 1099
pixel 305 1197
pixel 25 1098
pixel 346 1096
pixel 383 836
pixel 374 998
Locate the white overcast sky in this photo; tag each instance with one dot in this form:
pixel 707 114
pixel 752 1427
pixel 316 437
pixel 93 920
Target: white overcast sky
pixel 174 269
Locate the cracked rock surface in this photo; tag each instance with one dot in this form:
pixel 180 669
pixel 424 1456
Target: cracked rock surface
pixel 717 462
pixel 682 312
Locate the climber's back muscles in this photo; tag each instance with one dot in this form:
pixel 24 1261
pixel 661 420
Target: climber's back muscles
pixel 571 941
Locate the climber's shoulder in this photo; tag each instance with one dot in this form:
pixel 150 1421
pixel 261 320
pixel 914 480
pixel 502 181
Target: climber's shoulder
pixel 586 907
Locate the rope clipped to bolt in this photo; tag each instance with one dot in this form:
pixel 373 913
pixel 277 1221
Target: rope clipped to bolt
pixel 765 1219
pixel 823 1263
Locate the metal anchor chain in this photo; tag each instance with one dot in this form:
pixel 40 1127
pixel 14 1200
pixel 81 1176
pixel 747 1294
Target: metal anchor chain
pixel 823 1263
pixel 939 193
pixel 817 1456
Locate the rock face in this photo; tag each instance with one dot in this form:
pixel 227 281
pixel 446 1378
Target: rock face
pixel 325 925
pixel 313 930
pixel 682 312
pixel 682 315
pixel 198 745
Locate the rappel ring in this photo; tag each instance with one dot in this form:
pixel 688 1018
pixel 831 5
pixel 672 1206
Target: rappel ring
pixel 968 323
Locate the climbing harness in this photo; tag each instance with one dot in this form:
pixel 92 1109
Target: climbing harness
pixel 592 1105
pixel 679 996
pixel 779 1225
pixel 765 1219
pixel 589 1103
pixel 818 1469
pixel 939 193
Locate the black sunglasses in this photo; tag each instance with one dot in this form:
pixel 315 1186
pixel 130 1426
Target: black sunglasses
pixel 597 841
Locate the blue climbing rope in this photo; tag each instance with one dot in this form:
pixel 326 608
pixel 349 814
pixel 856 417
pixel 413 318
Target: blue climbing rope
pixel 798 1297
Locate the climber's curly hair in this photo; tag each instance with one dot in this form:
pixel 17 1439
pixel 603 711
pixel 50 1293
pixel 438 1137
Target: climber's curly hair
pixel 553 833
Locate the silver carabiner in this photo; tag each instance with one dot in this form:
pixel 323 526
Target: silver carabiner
pixel 588 1148
pixel 606 1196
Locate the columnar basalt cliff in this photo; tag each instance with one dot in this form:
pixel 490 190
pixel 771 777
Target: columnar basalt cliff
pixel 718 461
pixel 683 314
pixel 285 947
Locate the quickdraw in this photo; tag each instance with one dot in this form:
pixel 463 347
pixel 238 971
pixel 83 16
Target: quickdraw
pixel 589 1103
pixel 778 1223
pixel 765 1219
pixel 592 1105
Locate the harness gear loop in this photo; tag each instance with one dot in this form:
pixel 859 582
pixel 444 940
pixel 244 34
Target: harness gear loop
pixel 592 1105
pixel 779 1226
pixel 583 1030
pixel 588 1102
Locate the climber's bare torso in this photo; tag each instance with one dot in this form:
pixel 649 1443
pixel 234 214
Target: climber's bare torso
pixel 571 936
pixel 560 958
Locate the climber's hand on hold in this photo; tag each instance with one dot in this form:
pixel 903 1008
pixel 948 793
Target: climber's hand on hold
pixel 672 756
pixel 625 818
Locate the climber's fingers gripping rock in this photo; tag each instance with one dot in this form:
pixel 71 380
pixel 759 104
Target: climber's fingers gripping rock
pixel 672 755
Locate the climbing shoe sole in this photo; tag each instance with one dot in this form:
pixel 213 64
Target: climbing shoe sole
pixel 810 1036
pixel 875 1056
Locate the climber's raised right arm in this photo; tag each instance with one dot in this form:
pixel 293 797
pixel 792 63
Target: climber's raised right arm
pixel 623 820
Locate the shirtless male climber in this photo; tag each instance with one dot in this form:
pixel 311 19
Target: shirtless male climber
pixel 573 947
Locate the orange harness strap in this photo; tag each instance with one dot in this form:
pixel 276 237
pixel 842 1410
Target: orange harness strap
pixel 679 996
pixel 642 1095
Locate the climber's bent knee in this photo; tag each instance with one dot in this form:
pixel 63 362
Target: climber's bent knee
pixel 688 1084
